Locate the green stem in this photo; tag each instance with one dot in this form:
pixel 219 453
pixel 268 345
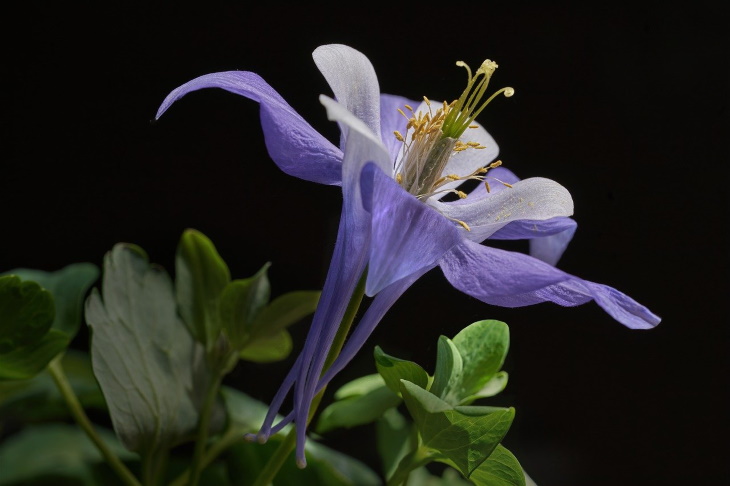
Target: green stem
pixel 287 446
pixel 204 426
pixel 59 377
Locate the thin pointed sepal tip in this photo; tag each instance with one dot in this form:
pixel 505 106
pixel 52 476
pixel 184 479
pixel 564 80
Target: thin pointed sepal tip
pixel 301 463
pixel 249 437
pixel 262 439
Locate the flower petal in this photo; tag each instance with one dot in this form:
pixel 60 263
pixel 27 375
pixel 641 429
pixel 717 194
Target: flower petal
pixel 532 199
pixel 362 144
pixel 296 147
pixel 353 81
pixel 407 235
pixel 496 178
pixel 372 317
pixel 391 120
pixel 548 239
pixel 510 279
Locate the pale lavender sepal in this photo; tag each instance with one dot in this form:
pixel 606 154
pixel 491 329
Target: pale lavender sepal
pixel 548 238
pixel 510 279
pixel 406 235
pixel 297 148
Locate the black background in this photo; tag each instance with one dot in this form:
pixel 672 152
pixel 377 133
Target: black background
pixel 626 107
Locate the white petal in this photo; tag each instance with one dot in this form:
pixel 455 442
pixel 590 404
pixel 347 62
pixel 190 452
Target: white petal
pixel 362 144
pixel 353 81
pixel 535 198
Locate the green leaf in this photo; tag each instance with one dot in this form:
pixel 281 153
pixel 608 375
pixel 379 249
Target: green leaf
pixel 241 301
pixel 52 454
pixel 447 377
pixel 284 311
pixel 494 386
pixel 142 354
pixel 359 386
pixel 38 399
pixel 394 435
pixel 268 349
pixel 393 370
pixel 483 346
pixel 465 435
pixel 68 287
pixel 27 361
pixel 353 408
pixel 325 466
pixel 26 313
pixel 200 277
pixel 500 469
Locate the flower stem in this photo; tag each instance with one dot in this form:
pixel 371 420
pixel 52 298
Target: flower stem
pixel 285 449
pixel 59 377
pixel 204 425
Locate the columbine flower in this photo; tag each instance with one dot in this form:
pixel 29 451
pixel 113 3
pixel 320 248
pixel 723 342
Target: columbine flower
pixel 398 166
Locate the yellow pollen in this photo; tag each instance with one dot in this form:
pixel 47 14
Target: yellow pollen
pixel 464 225
pixel 398 178
pixel 495 164
pixel 486 184
pixel 461 194
pixel 409 108
pixel 398 136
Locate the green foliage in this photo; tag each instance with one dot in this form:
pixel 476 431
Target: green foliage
pixel 200 277
pixel 466 435
pixel 68 286
pixel 241 301
pixel 26 310
pixel 38 398
pixel 57 454
pixel 324 465
pixel 500 469
pixel 359 402
pixel 143 356
pixel 393 370
pixel 27 341
pixel 448 429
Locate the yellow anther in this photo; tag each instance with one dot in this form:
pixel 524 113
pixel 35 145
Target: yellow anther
pixel 428 102
pixel 486 184
pixel 398 136
pixel 473 126
pixel 453 177
pixel 399 178
pixel 409 108
pixel 473 144
pixel 495 164
pixel 463 225
pixel 506 184
pixel 461 194
pixel 402 113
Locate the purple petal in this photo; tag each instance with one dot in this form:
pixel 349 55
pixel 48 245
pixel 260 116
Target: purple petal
pixel 391 120
pixel 353 81
pixel 296 147
pixel 407 235
pixel 548 239
pixel 511 279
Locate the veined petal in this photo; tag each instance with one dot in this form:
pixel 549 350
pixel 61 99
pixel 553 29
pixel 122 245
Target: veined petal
pixel 353 81
pixel 510 279
pixel 533 199
pixel 391 120
pixel 407 235
pixel 296 147
pixel 548 239
pixel 372 317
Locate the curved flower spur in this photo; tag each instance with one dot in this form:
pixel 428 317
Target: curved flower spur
pixel 406 210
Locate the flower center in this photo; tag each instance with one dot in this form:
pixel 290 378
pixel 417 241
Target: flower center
pixel 433 137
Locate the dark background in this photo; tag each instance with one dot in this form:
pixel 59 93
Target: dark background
pixel 626 107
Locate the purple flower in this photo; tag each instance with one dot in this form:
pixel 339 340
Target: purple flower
pixel 399 168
